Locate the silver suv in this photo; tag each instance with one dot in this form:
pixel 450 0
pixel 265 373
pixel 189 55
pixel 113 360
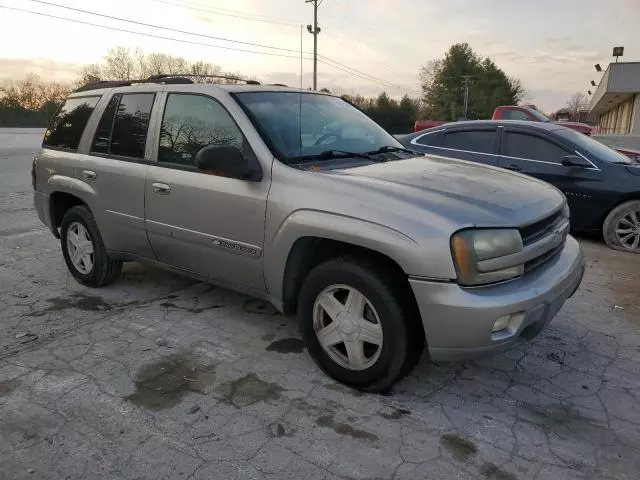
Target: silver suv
pixel 299 198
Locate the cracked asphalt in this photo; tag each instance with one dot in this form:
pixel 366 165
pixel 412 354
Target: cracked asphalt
pixel 162 377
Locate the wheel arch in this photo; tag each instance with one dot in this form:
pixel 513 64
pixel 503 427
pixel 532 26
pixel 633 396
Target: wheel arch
pixel 59 203
pixel 626 198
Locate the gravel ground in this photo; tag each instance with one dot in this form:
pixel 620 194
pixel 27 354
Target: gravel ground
pixel 162 377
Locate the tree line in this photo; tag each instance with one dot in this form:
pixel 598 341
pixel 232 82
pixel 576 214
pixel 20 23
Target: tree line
pixel 32 101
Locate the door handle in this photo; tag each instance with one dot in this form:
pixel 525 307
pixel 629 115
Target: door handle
pixel 161 188
pixel 515 168
pixel 88 175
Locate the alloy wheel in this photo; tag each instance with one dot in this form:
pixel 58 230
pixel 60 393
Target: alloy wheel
pixel 348 327
pixel 80 248
pixel 628 230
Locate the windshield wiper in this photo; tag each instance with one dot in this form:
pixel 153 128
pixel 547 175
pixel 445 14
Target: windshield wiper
pixel 331 154
pixel 389 149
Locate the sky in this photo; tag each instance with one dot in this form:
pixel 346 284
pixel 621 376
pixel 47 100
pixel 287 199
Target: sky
pixel 550 45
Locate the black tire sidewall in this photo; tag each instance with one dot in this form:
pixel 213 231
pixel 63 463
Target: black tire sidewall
pixel 389 366
pixel 608 229
pixel 83 216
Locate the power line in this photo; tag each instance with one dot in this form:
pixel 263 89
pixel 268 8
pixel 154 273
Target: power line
pixel 364 76
pixel 134 22
pixel 322 59
pixel 191 42
pixel 360 74
pixel 231 13
pixel 239 12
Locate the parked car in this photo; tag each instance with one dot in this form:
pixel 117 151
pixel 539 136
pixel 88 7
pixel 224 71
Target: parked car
pixel 602 186
pixel 512 112
pixel 521 112
pixel 299 198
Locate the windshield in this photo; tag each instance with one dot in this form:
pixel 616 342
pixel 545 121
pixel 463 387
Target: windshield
pixel 539 116
pixel 595 148
pixel 303 125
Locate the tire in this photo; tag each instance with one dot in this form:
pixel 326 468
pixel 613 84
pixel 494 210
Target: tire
pixel 621 229
pixel 388 313
pixel 104 270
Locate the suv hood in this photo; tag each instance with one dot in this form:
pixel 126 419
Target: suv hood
pixel 463 193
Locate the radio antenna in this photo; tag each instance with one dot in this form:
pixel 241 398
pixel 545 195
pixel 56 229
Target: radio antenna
pixel 300 97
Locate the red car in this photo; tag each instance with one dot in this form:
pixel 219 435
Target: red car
pixel 512 112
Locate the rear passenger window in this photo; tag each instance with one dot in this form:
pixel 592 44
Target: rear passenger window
pixel 191 122
pixel 65 130
pixel 123 128
pixel 530 147
pixel 102 138
pixel 471 140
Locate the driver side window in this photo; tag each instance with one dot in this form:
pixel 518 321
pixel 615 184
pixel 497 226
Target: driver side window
pixel 191 122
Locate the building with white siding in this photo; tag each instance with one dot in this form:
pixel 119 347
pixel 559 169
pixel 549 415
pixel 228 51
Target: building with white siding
pixel 615 105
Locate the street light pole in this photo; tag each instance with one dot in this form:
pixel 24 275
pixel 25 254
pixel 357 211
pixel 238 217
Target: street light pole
pixel 314 30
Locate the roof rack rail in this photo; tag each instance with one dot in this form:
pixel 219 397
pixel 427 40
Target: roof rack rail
pixel 182 78
pixel 126 83
pixel 197 75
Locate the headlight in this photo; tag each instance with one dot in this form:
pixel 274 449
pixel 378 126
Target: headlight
pixel 469 247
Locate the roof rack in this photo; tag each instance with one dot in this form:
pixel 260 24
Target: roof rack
pixel 161 78
pixel 165 77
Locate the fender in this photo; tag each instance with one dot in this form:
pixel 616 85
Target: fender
pixel 72 186
pixel 312 223
pixel 77 188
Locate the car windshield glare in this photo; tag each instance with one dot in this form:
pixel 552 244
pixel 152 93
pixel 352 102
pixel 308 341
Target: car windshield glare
pixel 301 126
pixel 593 147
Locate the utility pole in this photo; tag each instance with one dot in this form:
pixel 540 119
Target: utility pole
pixel 314 30
pixel 465 79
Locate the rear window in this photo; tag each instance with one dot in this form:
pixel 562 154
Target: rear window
pixel 65 130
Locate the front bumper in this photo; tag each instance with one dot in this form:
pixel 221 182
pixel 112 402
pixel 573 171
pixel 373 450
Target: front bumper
pixel 458 321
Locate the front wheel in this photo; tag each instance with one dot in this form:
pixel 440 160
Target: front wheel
pixel 358 326
pixel 84 251
pixel 621 228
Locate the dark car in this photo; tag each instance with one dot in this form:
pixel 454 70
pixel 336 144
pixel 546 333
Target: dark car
pixel 601 185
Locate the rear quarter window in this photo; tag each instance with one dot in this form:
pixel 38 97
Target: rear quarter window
pixel 66 128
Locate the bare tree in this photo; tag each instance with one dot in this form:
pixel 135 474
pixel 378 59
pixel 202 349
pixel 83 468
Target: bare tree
pixel 32 93
pixel 576 103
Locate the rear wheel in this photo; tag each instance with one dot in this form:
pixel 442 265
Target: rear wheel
pixel 84 251
pixel 621 229
pixel 357 325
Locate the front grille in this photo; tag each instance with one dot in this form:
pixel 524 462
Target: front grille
pixel 545 257
pixel 538 231
pixel 535 231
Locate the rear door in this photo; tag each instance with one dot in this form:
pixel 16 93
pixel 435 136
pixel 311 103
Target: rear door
pixel 116 167
pixel 206 224
pixel 540 155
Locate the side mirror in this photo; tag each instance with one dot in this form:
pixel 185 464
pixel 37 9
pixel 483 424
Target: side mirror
pixel 575 161
pixel 227 161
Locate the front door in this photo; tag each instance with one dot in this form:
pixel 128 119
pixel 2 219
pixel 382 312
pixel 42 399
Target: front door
pixel 202 223
pixel 541 157
pixel 476 144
